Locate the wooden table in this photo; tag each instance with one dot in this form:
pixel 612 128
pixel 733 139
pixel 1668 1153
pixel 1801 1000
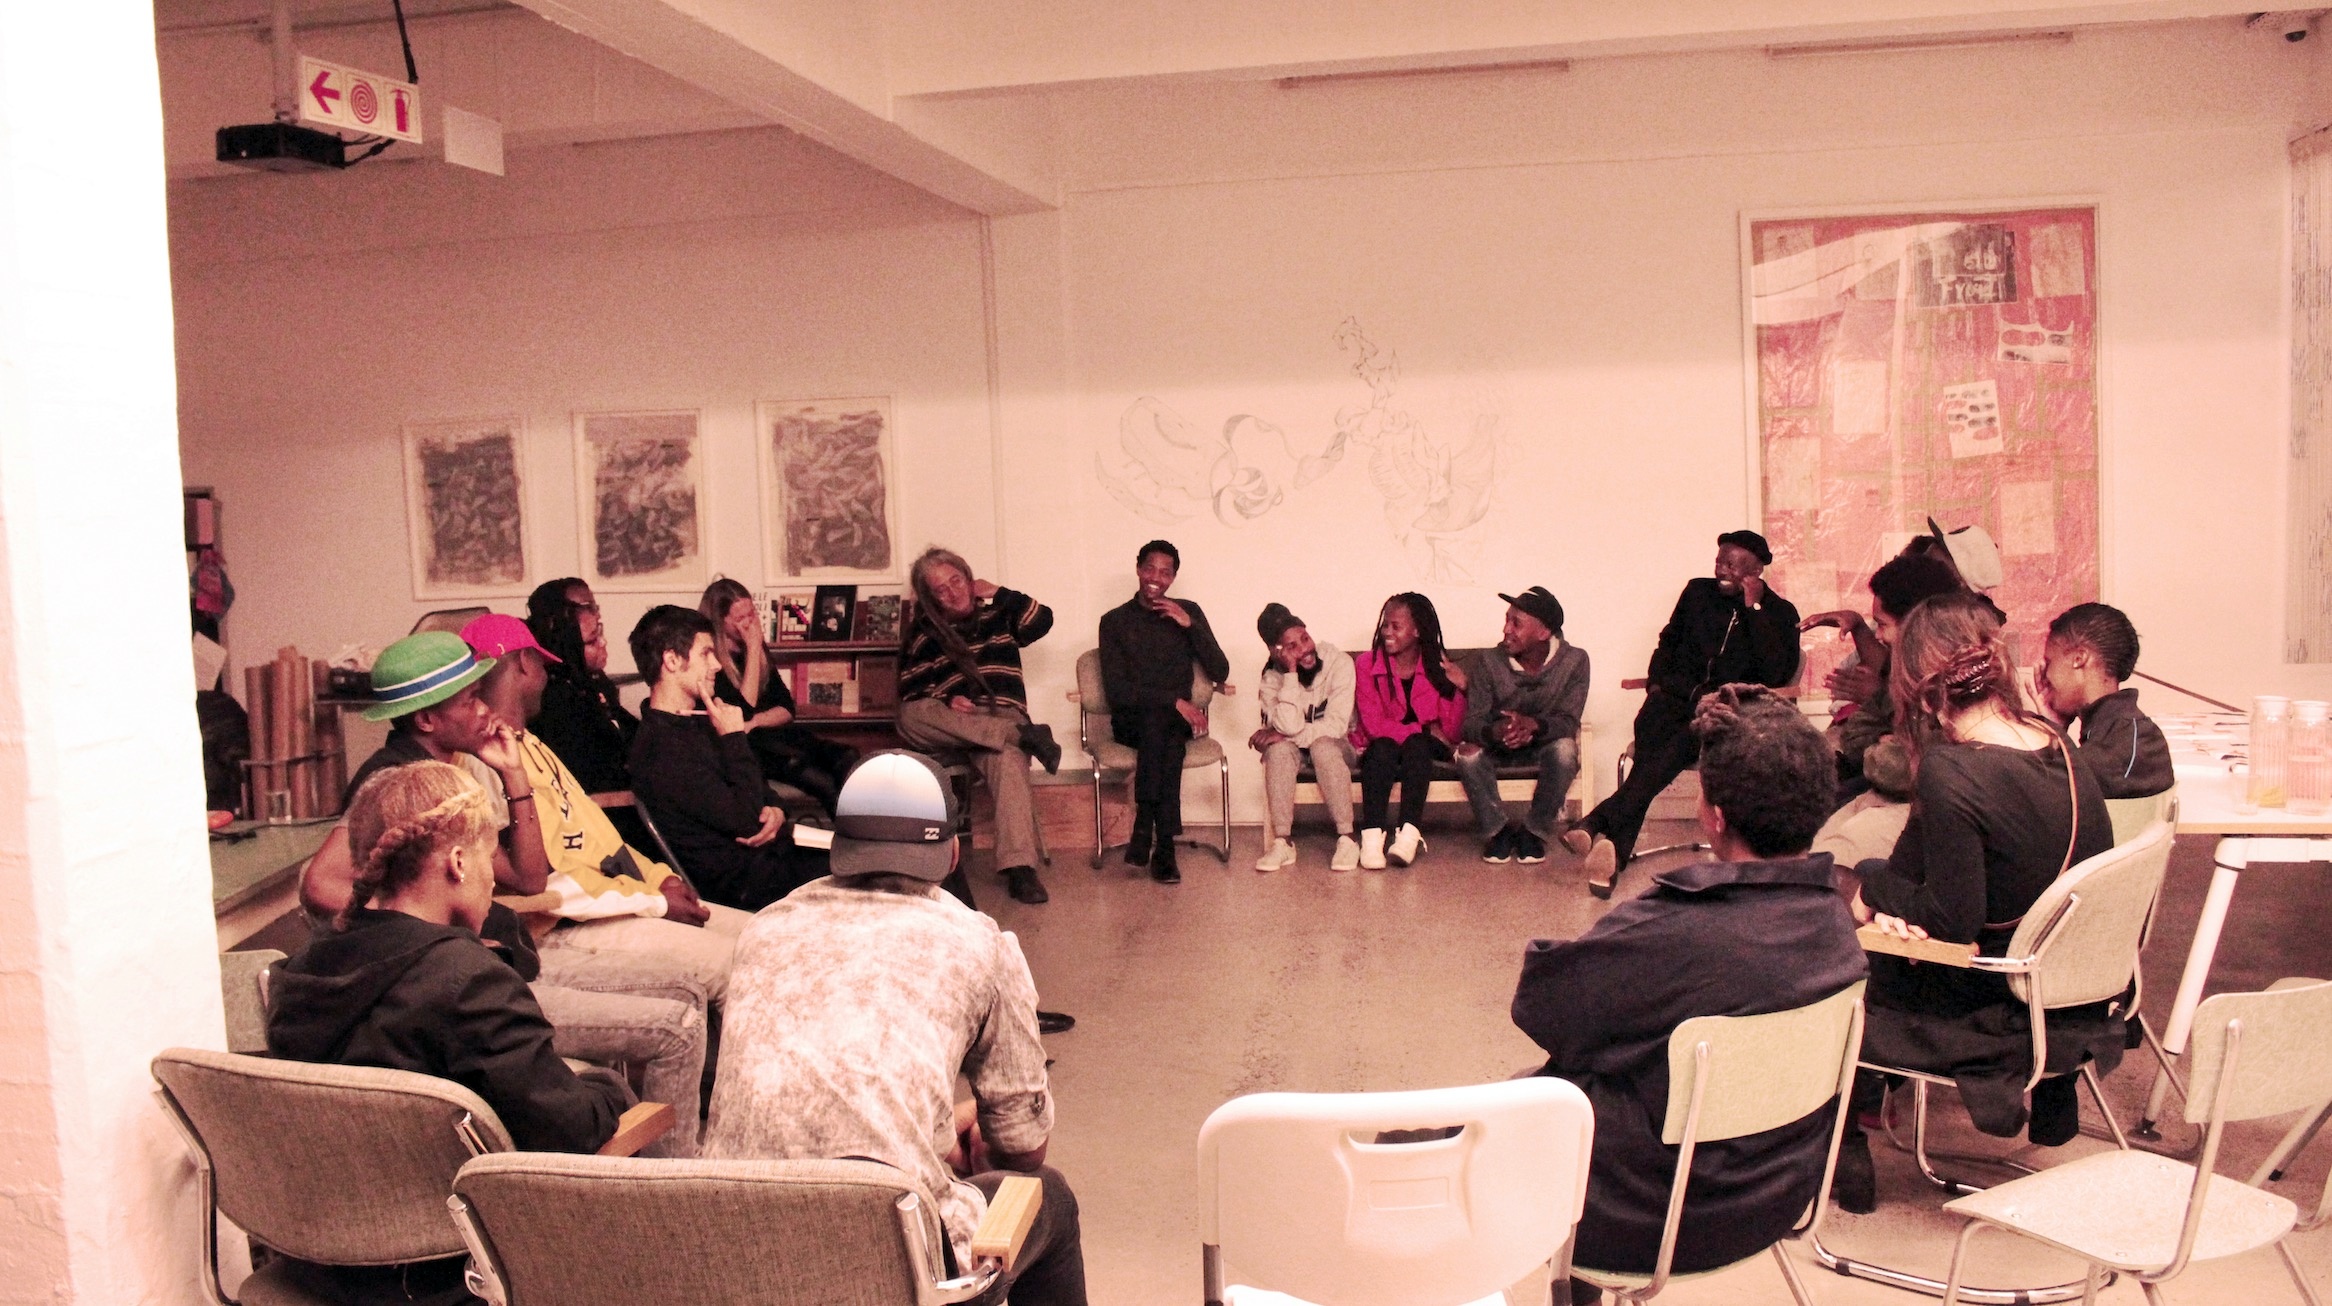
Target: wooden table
pixel 2206 751
pixel 256 879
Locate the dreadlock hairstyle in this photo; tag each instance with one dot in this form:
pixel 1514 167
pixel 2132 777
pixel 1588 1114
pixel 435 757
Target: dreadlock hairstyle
pixel 943 631
pixel 403 820
pixel 1765 767
pixel 1429 650
pixel 1950 657
pixel 2102 627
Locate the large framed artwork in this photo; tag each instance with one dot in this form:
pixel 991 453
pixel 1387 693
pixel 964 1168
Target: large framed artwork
pixel 830 488
pixel 640 501
pixel 465 507
pixel 1914 365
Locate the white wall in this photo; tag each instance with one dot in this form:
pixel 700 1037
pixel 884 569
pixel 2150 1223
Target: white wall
pixel 1564 251
pixel 319 314
pixel 107 953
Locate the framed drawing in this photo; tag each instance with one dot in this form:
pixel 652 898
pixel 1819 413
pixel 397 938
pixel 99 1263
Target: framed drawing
pixel 829 488
pixel 1938 363
pixel 465 507
pixel 640 501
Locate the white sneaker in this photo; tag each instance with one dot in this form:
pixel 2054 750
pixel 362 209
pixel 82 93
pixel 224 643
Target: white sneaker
pixel 1408 841
pixel 1280 853
pixel 1347 854
pixel 1372 850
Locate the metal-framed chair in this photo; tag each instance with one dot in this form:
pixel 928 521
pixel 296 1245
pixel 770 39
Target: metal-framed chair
pixel 1297 1193
pixel 1113 762
pixel 744 1233
pixel 243 981
pixel 2252 1055
pixel 1748 1074
pixel 276 1142
pixel 2077 945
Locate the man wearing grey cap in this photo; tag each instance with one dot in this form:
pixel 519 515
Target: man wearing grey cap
pixel 1523 704
pixel 857 1001
pixel 1728 628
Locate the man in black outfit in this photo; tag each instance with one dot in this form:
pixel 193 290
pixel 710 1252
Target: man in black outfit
pixel 1148 645
pixel 694 770
pixel 1729 628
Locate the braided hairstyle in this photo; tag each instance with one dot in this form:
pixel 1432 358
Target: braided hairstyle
pixel 1765 767
pixel 1948 658
pixel 403 820
pixel 1429 650
pixel 2104 628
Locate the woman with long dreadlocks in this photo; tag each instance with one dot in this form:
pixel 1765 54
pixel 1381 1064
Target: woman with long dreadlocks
pixel 960 690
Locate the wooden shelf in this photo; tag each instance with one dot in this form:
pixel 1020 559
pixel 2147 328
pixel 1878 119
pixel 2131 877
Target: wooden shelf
pixel 832 648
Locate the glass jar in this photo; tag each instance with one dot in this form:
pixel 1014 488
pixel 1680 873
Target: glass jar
pixel 2308 759
pixel 2270 739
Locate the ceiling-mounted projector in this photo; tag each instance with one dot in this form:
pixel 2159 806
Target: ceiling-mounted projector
pixel 282 147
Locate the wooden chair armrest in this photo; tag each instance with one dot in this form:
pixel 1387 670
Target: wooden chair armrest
pixel 1638 682
pixel 1075 696
pixel 616 798
pixel 1011 1212
pixel 1936 950
pixel 643 1124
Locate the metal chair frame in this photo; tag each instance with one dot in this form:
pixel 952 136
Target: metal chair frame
pixel 1103 775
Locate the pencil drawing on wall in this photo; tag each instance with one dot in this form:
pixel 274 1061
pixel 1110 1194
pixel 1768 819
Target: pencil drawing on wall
pixel 464 508
pixel 640 499
pixel 829 487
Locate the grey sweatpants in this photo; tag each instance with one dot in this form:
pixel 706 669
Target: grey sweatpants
pixel 1331 763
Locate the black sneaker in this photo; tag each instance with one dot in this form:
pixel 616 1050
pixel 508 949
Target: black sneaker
pixel 1138 843
pixel 1162 867
pixel 1024 886
pixel 1500 846
pixel 1055 1022
pixel 1528 847
pixel 1037 741
pixel 1855 1185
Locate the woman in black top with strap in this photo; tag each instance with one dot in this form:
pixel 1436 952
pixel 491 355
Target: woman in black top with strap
pixel 2002 808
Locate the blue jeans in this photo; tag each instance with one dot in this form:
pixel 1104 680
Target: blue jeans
pixel 1557 761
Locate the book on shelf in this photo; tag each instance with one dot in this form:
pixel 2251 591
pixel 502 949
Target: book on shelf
pixel 788 617
pixel 825 688
pixel 878 620
pixel 878 682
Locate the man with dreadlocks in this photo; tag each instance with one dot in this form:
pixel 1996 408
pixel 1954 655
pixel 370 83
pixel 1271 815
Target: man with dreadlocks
pixel 960 690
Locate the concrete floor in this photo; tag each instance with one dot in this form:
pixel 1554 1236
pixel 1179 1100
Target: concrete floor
pixel 1235 982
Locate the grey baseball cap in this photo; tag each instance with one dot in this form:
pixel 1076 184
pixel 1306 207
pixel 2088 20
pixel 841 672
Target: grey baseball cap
pixel 896 815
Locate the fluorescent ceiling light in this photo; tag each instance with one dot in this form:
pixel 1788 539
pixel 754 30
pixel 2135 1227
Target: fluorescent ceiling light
pixel 1906 44
pixel 1302 80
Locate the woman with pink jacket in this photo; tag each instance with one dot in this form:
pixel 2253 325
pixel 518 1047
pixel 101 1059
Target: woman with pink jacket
pixel 1408 704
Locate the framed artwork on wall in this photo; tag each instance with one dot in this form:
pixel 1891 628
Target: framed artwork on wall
pixel 465 507
pixel 640 501
pixel 1927 364
pixel 829 488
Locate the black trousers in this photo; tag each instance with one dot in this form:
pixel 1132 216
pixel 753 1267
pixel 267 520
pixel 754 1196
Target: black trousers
pixel 796 755
pixel 1051 1270
pixel 1159 737
pixel 1665 746
pixel 1411 762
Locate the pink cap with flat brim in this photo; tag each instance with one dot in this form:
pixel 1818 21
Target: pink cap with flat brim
pixel 497 636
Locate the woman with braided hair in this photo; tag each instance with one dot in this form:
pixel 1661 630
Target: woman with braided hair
pixel 402 982
pixel 2002 806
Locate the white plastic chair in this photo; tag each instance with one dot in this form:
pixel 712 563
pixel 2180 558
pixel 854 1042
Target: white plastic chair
pixel 2253 1055
pixel 1748 1074
pixel 1295 1192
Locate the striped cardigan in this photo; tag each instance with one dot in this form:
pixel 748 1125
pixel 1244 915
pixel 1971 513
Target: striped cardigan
pixel 996 632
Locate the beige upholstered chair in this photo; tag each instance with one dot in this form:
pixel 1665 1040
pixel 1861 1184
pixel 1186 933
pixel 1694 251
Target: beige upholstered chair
pixel 2077 945
pixel 2252 1055
pixel 1113 762
pixel 278 1145
pixel 1748 1074
pixel 739 1233
pixel 2131 816
pixel 243 986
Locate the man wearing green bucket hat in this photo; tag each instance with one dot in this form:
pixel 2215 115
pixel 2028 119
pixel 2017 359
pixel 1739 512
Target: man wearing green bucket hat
pixel 581 915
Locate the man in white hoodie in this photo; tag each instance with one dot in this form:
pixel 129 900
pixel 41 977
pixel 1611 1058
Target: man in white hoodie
pixel 1307 708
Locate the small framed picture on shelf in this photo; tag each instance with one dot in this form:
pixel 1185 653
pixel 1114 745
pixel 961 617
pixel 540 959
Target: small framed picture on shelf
pixel 878 620
pixel 830 613
pixel 789 616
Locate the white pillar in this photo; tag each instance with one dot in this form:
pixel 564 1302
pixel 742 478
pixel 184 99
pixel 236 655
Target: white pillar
pixel 106 947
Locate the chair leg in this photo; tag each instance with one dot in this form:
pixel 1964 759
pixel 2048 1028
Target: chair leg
pixel 2097 1093
pixel 1099 846
pixel 2283 1248
pixel 1789 1275
pixel 2303 1131
pixel 1959 1262
pixel 1225 852
pixel 2091 1283
pixel 2154 1293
